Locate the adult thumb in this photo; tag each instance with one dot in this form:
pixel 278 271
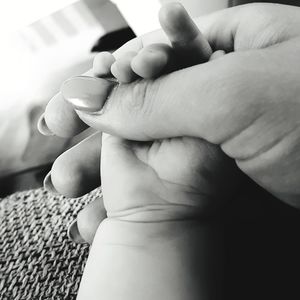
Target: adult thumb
pixel 208 101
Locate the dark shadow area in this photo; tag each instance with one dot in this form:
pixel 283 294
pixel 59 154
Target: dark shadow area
pixel 113 40
pixel 28 179
pixel 287 2
pixel 262 248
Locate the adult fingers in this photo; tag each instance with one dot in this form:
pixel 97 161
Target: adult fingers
pixel 74 174
pixel 60 118
pixel 84 228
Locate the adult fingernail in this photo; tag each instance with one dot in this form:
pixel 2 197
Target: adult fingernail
pixel 42 126
pixel 74 234
pixel 48 185
pixel 87 93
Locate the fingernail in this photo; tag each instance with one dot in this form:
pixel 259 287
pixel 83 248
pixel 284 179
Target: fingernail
pixel 73 233
pixel 42 126
pixel 87 93
pixel 48 185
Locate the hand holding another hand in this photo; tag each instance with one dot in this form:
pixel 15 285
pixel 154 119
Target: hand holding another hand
pixel 247 102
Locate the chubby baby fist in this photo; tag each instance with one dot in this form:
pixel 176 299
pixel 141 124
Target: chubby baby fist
pixel 170 179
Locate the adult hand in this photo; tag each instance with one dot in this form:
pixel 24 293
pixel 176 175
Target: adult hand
pixel 248 101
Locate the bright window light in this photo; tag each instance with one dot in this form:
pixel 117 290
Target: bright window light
pixel 15 14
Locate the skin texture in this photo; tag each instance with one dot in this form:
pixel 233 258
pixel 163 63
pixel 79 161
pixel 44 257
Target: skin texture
pixel 157 195
pixel 91 216
pixel 226 102
pixel 169 260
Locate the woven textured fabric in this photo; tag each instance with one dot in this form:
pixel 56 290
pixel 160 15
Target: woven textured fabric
pixel 37 260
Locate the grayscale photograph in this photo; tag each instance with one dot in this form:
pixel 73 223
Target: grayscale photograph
pixel 149 150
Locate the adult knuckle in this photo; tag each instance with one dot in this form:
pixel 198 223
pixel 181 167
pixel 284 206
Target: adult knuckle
pixel 67 178
pixel 141 98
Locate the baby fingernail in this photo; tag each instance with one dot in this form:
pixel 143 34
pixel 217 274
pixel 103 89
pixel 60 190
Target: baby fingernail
pixel 48 185
pixel 87 93
pixel 73 233
pixel 42 126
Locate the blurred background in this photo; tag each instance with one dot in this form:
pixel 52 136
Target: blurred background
pixel 44 42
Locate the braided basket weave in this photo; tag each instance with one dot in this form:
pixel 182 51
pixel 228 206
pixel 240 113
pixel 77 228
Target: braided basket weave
pixel 37 260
